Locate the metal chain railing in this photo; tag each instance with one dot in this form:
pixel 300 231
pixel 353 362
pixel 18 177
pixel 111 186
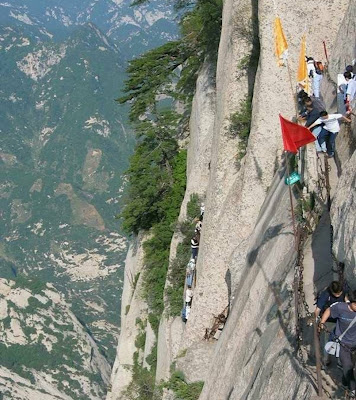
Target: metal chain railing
pixel 301 306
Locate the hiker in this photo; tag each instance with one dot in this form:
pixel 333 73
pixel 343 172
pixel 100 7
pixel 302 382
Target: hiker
pixel 335 293
pixel 194 244
pixel 330 129
pixel 185 313
pixel 302 95
pixel 314 102
pixel 202 209
pixel 315 72
pixel 198 225
pixel 350 69
pixel 191 265
pixel 188 296
pixel 345 314
pixel 350 90
pixel 341 89
pixel 190 277
pixel 310 67
pixel 313 108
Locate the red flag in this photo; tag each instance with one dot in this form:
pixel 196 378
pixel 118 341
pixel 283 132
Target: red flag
pixel 294 135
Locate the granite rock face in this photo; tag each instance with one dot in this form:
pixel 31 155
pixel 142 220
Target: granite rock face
pixel 133 307
pixel 235 196
pixel 344 219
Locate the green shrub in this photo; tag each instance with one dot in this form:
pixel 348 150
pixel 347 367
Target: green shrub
pixel 157 247
pixel 151 359
pixel 176 277
pixel 135 280
pixel 193 206
pixel 140 340
pixel 34 285
pixel 33 303
pixel 142 385
pixel 153 73
pixel 154 319
pixel 240 125
pixel 151 173
pixel 183 390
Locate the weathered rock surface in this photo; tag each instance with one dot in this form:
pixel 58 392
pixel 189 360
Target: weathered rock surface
pixel 343 211
pixel 133 307
pixel 344 219
pixel 235 197
pixel 198 175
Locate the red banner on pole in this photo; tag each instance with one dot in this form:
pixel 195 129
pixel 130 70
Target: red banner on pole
pixel 294 135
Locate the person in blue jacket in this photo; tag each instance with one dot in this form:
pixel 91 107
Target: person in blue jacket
pixel 335 293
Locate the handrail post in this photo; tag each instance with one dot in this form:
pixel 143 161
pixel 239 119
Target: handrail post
pixel 327 181
pixel 317 358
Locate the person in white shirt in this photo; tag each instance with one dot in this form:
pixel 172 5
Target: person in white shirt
pixel 316 74
pixel 341 89
pixel 330 129
pixel 350 91
pixel 188 296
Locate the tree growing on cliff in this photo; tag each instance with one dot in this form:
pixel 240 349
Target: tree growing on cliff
pixel 150 173
pixel 172 68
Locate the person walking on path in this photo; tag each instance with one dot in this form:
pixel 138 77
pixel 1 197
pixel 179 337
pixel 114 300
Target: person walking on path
pixel 330 130
pixel 316 74
pixel 344 313
pixel 194 244
pixel 335 293
pixel 198 225
pixel 313 109
pixel 350 90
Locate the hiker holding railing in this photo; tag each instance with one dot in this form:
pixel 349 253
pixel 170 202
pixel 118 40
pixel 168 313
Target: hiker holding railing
pixel 345 315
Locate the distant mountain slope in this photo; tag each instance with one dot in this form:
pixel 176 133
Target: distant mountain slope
pixel 45 351
pixel 134 29
pixel 64 148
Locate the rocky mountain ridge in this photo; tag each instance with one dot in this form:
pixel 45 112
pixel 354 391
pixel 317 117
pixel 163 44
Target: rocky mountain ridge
pixel 65 146
pixel 62 158
pixel 133 29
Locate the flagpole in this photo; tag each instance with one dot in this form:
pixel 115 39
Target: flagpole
pixel 291 202
pixel 292 90
pixel 326 53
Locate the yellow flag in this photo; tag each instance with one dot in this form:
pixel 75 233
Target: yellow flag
pixel 281 42
pixel 302 75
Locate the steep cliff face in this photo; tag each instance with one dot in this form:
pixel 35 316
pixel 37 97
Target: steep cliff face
pixel 344 203
pixel 235 197
pixel 254 357
pixel 198 174
pixel 246 254
pixel 132 309
pixel 343 219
